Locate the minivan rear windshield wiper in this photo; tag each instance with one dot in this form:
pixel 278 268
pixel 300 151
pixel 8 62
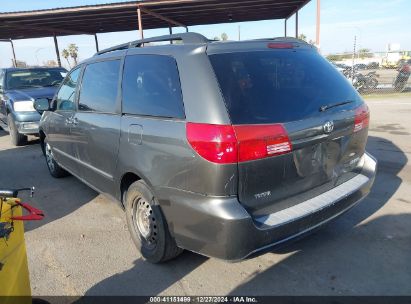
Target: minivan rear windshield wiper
pixel 326 107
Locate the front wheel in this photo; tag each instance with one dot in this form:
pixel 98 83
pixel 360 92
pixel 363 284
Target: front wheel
pixel 147 225
pixel 17 139
pixel 54 168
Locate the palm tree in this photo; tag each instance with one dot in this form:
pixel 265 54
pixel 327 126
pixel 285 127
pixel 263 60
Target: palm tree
pixel 302 37
pixel 364 53
pixel 65 53
pixel 73 51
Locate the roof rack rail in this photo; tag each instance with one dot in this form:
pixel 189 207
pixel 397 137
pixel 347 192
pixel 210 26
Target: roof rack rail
pixel 184 37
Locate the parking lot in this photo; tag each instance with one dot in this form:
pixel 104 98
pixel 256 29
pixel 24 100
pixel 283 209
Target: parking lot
pixel 83 246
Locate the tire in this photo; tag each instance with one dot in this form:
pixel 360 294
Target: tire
pixel 147 225
pixel 17 139
pixel 54 168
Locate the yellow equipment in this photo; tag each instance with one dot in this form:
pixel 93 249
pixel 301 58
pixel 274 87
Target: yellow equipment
pixel 14 273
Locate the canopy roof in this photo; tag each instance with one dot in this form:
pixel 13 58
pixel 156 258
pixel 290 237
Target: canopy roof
pixel 117 17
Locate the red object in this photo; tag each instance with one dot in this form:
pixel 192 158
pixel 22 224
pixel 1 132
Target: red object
pixel 34 214
pixel 362 118
pixel 261 141
pixel 280 45
pixel 215 143
pixel 226 144
pixel 406 68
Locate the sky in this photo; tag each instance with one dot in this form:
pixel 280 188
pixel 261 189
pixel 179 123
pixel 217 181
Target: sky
pixel 375 23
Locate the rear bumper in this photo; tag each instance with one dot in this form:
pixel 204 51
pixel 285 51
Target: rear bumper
pixel 222 228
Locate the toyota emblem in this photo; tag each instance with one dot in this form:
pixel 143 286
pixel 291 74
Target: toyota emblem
pixel 328 127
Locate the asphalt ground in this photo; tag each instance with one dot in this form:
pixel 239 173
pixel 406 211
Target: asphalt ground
pixel 82 247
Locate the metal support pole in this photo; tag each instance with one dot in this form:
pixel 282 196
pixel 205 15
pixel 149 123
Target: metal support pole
pixel 186 29
pixel 140 23
pixel 96 41
pixel 14 54
pixel 170 30
pixel 317 32
pixel 56 46
pixel 285 27
pixel 296 24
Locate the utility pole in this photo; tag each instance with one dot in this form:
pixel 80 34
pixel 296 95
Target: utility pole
pixel 353 59
pixel 239 33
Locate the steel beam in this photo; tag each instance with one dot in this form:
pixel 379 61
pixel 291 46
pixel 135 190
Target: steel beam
pixel 170 31
pixel 96 41
pixel 56 47
pixel 12 48
pixel 14 54
pixel 161 17
pixel 298 8
pixel 140 23
pixel 285 27
pixel 45 28
pixel 296 24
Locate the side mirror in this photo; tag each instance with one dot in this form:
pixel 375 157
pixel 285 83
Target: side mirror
pixel 42 104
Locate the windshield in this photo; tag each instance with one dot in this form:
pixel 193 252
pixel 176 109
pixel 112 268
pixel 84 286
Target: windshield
pixel 34 78
pixel 279 85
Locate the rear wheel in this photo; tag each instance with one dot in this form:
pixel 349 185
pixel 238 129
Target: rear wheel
pixel 147 225
pixel 54 168
pixel 17 139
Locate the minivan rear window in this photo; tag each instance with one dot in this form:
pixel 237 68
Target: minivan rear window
pixel 277 86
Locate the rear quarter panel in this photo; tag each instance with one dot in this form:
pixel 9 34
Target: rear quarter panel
pixel 156 149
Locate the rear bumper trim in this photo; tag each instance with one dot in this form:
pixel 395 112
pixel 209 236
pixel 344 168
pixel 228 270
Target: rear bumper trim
pixel 315 204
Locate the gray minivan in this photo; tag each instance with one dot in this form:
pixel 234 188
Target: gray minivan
pixel 221 148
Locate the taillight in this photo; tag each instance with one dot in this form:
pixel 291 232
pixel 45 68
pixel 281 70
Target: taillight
pixel 280 45
pixel 239 143
pixel 261 141
pixel 362 118
pixel 215 143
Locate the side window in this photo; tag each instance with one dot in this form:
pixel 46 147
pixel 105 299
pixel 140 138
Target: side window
pixel 151 86
pixel 99 87
pixel 66 94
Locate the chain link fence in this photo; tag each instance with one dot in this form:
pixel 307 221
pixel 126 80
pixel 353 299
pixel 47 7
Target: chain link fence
pixel 375 72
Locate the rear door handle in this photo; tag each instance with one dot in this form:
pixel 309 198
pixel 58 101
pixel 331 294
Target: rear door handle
pixel 72 121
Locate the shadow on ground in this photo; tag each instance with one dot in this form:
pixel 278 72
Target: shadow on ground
pixel 25 166
pixel 345 257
